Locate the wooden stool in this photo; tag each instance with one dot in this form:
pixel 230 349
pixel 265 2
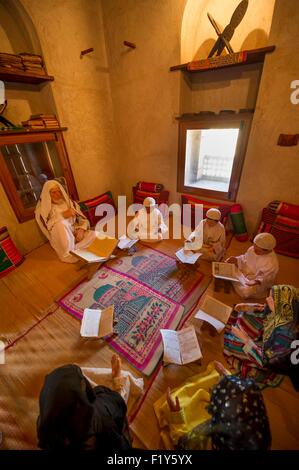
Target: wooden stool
pixel 222 283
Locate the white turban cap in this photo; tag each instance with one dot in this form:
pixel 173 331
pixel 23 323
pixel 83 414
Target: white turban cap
pixel 214 214
pixel 266 241
pixel 149 202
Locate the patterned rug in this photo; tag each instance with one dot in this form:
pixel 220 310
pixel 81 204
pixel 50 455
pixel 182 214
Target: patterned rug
pixel 148 292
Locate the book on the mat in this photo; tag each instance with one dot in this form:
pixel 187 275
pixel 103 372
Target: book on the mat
pixel 97 323
pixel 187 257
pixel 89 257
pixel 103 247
pixel 180 347
pixel 225 271
pixel 214 312
pixel 125 242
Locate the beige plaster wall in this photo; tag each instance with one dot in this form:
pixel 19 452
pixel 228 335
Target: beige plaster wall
pixel 146 96
pixel 80 95
pixel 198 35
pixel 270 171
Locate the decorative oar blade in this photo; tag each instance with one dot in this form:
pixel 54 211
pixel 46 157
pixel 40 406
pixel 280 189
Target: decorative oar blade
pixel 238 14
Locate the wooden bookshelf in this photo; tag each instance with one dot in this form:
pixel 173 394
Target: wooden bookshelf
pixel 32 131
pixel 23 77
pixel 253 56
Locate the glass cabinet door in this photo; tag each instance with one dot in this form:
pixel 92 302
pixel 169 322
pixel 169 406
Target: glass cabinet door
pixel 30 165
pixel 26 163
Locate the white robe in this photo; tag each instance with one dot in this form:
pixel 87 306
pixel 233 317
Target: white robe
pixel 146 226
pixel 212 238
pixel 59 230
pixel 263 268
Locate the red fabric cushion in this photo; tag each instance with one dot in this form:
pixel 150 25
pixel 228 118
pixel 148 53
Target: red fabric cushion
pixel 193 201
pixel 89 206
pixel 150 187
pixel 141 195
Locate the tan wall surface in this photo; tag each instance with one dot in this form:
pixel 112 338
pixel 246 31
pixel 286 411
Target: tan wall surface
pixel 146 96
pixel 81 92
pixel 270 171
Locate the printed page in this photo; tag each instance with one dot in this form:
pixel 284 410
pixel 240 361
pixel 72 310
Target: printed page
pixel 125 242
pixel 218 325
pixel 216 309
pixel 188 342
pixel 224 271
pixel 172 353
pixel 90 323
pixel 88 256
pixel 106 322
pixel 189 257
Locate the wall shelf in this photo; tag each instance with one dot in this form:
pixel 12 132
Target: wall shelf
pixel 23 77
pixel 32 131
pixel 252 56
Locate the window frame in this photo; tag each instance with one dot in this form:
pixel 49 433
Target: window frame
pixel 241 121
pixel 22 213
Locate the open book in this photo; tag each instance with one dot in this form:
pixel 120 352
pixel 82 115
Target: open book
pixel 187 256
pixel 103 247
pixel 97 323
pixel 214 312
pixel 225 271
pixel 126 243
pixel 180 347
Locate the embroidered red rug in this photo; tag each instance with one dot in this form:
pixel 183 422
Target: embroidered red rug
pixel 149 293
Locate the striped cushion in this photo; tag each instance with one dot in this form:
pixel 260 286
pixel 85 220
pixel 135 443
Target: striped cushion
pixel 193 201
pixel 89 206
pixel 10 257
pixel 141 195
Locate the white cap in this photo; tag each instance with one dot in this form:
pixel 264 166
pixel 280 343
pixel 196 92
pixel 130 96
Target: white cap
pixel 214 214
pixel 266 241
pixel 149 202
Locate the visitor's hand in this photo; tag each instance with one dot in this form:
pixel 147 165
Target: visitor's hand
pixel 252 282
pixel 220 368
pixel 69 213
pixel 174 405
pixel 232 260
pixel 242 335
pixel 79 235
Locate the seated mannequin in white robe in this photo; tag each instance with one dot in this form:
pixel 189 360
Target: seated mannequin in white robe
pixel 148 224
pixel 257 268
pixel 209 237
pixel 62 222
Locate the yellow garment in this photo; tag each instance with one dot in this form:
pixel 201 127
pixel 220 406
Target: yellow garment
pixel 194 396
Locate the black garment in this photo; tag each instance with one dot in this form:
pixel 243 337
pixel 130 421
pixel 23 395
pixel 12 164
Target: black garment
pixel 75 415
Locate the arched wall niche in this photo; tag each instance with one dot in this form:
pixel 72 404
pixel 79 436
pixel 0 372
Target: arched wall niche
pixel 198 35
pixel 18 34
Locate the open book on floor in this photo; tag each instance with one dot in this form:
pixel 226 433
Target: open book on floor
pixel 214 312
pixel 125 243
pixel 97 323
pixel 187 257
pixel 180 347
pixel 225 271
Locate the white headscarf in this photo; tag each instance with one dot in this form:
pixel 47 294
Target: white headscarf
pixel 44 205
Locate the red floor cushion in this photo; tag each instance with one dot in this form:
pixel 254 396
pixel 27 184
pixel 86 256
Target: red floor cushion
pixel 10 257
pixel 193 201
pixel 282 220
pixel 89 206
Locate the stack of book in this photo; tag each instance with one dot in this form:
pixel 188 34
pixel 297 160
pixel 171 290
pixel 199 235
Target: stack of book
pixel 33 63
pixel 11 62
pixel 42 121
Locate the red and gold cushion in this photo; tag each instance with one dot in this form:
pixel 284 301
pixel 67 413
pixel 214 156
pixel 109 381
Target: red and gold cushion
pixel 139 196
pixel 193 201
pixel 10 257
pixel 89 206
pixel 149 187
